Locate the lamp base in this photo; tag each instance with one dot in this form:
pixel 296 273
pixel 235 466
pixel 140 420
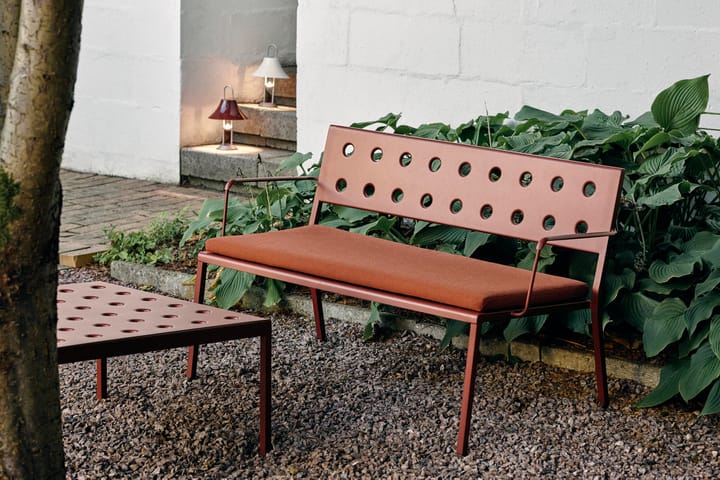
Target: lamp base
pixel 226 146
pixel 267 104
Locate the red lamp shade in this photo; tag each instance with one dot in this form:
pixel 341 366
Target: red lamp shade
pixel 227 111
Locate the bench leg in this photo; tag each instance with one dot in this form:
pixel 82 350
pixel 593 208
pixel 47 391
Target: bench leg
pixel 265 395
pixel 599 350
pixel 468 390
pixel 101 378
pixel 319 316
pixel 198 297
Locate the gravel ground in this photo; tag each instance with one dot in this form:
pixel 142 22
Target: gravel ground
pixel 381 410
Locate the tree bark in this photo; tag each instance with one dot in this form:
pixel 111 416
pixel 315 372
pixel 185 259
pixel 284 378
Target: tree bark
pixel 9 21
pixel 36 104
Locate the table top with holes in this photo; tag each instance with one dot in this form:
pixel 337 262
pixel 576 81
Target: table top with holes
pixel 100 318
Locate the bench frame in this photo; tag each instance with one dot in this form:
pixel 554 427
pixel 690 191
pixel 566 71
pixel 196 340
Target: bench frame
pixel 582 219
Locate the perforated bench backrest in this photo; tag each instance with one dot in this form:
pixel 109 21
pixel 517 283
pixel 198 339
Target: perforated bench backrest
pixel 494 191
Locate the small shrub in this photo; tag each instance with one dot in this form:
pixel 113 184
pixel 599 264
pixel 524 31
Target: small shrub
pixel 155 244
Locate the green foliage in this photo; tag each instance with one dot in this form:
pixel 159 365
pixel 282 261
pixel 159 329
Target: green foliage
pixel 662 274
pixel 9 211
pixel 155 244
pixel 279 205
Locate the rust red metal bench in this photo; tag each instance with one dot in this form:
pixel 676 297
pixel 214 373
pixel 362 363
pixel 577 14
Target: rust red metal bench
pixel 97 320
pixel 544 200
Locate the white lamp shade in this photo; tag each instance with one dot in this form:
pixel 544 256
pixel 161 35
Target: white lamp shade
pixel 270 68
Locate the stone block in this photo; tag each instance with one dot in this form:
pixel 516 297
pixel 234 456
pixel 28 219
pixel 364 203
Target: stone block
pixel 279 123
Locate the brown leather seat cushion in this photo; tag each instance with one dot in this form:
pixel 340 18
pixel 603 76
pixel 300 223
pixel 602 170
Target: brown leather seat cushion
pixel 393 267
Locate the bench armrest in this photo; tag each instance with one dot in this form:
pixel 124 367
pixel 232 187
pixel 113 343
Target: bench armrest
pixel 234 181
pixel 540 245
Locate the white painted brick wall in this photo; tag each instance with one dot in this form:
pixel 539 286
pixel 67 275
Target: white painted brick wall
pixel 443 60
pixel 126 116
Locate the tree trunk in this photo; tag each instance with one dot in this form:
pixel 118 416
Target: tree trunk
pixel 36 102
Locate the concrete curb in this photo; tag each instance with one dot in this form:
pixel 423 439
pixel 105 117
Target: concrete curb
pixel 181 285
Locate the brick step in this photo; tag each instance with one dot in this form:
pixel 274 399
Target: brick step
pixel 207 167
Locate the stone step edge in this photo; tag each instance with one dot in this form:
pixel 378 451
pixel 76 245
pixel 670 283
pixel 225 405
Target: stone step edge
pixel 182 285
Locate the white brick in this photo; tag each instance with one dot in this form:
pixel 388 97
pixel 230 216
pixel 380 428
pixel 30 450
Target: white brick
pixel 589 12
pixel 511 12
pixel 325 35
pixel 376 40
pixel 691 14
pixel 395 42
pixel 491 51
pixel 407 8
pixel 554 56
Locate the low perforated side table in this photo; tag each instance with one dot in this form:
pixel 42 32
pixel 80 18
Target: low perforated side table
pixel 97 320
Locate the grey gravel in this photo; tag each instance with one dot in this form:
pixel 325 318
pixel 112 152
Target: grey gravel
pixel 347 409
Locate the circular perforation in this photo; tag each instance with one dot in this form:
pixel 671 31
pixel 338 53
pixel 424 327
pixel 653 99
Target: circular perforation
pixel 341 185
pixel 456 206
pixel 557 184
pixel 589 189
pixel 581 227
pixel 549 223
pixel 369 190
pixel 405 159
pixel 517 217
pixel 435 164
pixel 377 154
pixel 348 150
pixel 464 169
pixel 495 174
pixel 426 200
pixel 486 211
pixel 526 179
pixel 397 195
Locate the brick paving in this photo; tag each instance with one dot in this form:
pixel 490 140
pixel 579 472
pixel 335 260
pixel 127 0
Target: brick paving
pixel 93 202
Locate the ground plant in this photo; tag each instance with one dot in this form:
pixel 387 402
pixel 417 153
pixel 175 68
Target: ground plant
pixel 663 271
pixel 155 244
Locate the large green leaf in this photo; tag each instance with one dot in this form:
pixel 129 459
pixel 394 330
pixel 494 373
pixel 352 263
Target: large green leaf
pixel 665 326
pixel 702 243
pixel 636 308
pixel 381 225
pixel 294 161
pixel 473 241
pixel 352 215
pixel 520 326
pixel 679 266
pixel 714 335
pixel 712 403
pixel 657 140
pixel 712 281
pixel 701 309
pixel 434 131
pixel 273 292
pixel 668 196
pixel 668 386
pixel 433 234
pixel 692 343
pixel 598 125
pixel 679 106
pixel 453 328
pixel 233 286
pixel 389 120
pixel 667 163
pixel 613 284
pixel 704 369
pixel 527 113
